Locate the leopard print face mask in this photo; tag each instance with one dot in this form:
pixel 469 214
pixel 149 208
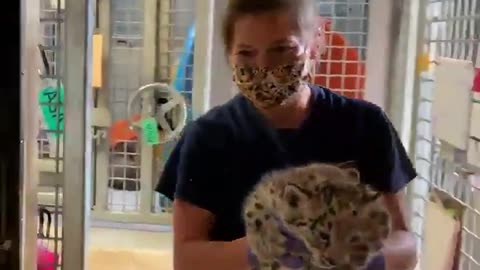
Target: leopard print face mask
pixel 268 88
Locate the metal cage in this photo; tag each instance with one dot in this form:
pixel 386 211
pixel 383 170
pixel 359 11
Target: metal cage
pixel 146 39
pixel 449 28
pixel 341 66
pixel 142 42
pixel 50 139
pixel 173 29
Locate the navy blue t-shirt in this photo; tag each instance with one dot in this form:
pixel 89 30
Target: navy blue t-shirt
pixel 224 153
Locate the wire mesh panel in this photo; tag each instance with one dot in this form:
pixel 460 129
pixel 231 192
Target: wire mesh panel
pixel 124 179
pixel 126 62
pixel 341 68
pixel 50 236
pixel 50 98
pixel 50 135
pixel 145 37
pixel 175 66
pixel 342 61
pixel 451 30
pixel 126 73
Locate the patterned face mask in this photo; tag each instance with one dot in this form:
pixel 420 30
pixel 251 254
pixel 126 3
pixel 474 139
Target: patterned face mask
pixel 268 88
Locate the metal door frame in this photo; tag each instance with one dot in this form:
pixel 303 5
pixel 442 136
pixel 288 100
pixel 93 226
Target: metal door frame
pixel 30 83
pixel 11 133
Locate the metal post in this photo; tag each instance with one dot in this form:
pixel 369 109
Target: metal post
pixel 212 82
pixel 398 56
pixel 149 51
pixel 30 84
pixel 79 24
pixel 102 147
pixel 418 188
pixel 202 83
pixel 409 110
pixel 379 51
pixel 222 88
pixel 412 52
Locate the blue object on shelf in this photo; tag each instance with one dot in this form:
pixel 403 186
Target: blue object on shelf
pixel 183 78
pixel 183 81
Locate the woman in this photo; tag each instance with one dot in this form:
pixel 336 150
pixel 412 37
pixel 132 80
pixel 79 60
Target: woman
pixel 271 124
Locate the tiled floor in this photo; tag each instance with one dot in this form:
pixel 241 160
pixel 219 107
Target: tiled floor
pixel 111 246
pixel 129 239
pixel 118 249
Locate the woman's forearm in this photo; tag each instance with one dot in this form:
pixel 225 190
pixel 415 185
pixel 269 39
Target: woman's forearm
pixel 400 251
pixel 203 255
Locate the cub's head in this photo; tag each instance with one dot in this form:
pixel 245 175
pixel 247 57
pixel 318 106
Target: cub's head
pixel 307 193
pixel 313 197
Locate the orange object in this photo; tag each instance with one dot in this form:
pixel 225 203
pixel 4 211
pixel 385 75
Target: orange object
pixel 120 131
pixel 340 68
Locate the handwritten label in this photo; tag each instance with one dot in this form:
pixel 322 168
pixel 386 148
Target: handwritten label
pixel 150 131
pixel 51 104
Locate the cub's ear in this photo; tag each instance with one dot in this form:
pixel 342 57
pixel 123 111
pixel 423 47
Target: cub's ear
pixel 370 195
pixel 293 195
pixel 353 174
pixel 347 164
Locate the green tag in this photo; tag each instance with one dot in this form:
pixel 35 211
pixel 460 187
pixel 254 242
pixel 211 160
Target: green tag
pixel 150 131
pixel 51 105
pixel 451 212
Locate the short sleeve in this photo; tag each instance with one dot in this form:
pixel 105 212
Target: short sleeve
pixel 168 179
pixel 384 163
pixel 190 173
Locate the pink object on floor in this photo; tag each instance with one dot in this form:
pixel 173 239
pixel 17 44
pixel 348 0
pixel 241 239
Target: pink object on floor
pixel 45 258
pixel 476 81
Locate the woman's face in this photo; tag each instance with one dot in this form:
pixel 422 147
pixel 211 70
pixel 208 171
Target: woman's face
pixel 266 40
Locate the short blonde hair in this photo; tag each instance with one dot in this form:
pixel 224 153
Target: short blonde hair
pixel 302 10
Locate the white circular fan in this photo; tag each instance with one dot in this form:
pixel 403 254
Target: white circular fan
pixel 163 103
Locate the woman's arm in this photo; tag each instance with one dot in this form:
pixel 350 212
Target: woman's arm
pixel 385 165
pixel 400 249
pixel 193 250
pixel 197 195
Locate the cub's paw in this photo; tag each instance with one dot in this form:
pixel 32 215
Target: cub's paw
pixel 359 254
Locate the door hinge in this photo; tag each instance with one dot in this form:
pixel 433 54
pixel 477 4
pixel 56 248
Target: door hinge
pixel 5 247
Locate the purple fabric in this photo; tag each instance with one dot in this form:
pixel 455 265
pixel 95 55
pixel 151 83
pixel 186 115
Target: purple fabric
pixel 293 244
pixel 297 246
pixel 287 260
pixel 376 263
pixel 252 259
pixel 292 262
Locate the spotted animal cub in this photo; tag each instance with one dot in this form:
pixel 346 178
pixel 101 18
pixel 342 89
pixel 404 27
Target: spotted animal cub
pixel 341 221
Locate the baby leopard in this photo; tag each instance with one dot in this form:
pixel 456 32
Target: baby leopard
pixel 341 221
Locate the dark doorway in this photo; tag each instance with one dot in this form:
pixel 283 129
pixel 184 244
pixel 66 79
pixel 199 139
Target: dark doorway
pixel 10 138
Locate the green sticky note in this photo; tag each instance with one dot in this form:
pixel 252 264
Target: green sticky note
pixel 451 212
pixel 150 131
pixel 51 105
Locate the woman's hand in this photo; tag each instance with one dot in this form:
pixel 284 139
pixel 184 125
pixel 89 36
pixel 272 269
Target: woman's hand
pixel 400 251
